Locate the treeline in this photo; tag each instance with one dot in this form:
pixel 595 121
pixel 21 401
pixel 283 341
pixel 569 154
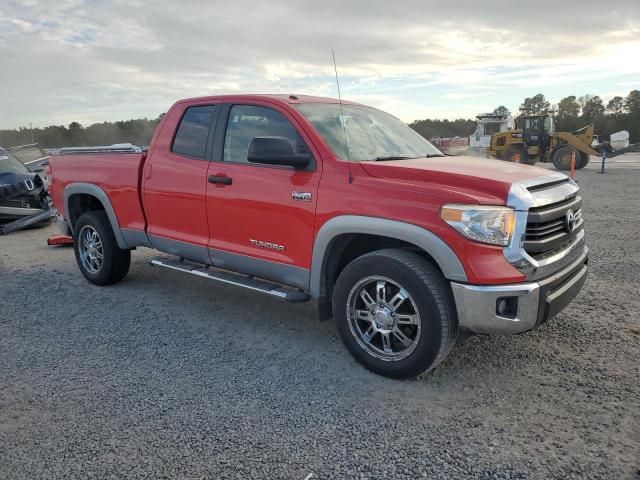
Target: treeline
pixel 444 128
pixel 570 113
pixel 138 132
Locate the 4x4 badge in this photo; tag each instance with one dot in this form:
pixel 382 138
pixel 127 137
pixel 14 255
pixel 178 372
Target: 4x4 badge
pixel 301 196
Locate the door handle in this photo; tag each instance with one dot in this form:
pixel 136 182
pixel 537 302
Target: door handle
pixel 222 179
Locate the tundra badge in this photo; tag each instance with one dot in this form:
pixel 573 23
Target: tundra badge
pixel 269 245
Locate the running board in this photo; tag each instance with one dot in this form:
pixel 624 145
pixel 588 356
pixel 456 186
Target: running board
pixel 223 276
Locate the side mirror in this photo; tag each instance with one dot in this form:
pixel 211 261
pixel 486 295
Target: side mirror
pixel 276 151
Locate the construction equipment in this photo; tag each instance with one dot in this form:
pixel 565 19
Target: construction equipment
pixel 535 140
pixel 607 151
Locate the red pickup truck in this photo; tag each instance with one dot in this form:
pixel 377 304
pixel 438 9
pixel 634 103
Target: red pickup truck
pixel 306 198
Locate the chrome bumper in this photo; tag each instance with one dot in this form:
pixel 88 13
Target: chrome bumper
pixel 536 301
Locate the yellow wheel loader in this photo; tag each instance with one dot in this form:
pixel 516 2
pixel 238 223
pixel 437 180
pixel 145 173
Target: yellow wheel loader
pixel 535 140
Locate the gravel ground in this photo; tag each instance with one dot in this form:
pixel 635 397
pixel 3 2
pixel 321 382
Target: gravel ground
pixel 164 376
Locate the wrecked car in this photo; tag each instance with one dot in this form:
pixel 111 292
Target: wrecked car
pixel 32 156
pixel 24 197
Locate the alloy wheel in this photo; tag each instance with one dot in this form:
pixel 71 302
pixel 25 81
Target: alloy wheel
pixel 383 318
pixel 90 249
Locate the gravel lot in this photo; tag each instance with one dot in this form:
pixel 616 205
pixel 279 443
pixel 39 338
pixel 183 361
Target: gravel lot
pixel 163 376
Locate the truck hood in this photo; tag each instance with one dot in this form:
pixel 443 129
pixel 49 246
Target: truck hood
pixel 486 181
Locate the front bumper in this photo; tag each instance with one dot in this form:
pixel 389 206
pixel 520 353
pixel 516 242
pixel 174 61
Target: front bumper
pixel 533 302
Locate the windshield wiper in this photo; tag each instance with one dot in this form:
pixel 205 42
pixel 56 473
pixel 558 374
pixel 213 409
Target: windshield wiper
pixel 395 157
pixel 406 157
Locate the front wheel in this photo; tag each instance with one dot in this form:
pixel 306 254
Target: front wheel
pixel 395 313
pixel 584 160
pixel 561 157
pixel 99 258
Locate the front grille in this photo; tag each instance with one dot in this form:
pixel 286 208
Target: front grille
pixel 548 227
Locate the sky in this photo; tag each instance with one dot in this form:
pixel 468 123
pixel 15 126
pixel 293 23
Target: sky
pixel 95 60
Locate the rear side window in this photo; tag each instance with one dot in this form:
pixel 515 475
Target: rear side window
pixel 193 132
pixel 247 121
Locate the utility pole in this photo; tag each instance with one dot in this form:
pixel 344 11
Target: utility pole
pixel 31 128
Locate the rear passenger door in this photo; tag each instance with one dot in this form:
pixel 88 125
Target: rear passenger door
pixel 175 182
pixel 261 219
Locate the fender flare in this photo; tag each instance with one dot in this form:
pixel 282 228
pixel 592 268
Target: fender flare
pixel 446 259
pixel 97 192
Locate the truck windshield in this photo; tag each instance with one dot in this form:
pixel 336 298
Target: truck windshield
pixel 370 133
pixel 10 164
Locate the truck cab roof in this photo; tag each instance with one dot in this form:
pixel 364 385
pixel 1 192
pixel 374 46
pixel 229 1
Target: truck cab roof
pixel 280 97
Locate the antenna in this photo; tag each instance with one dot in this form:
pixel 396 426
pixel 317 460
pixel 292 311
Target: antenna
pixel 342 119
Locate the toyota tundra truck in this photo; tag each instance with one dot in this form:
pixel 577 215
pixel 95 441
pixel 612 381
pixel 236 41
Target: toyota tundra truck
pixel 305 198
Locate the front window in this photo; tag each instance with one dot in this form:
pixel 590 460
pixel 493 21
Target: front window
pixel 10 164
pixel 249 121
pixel 532 123
pixel 370 134
pixel 491 128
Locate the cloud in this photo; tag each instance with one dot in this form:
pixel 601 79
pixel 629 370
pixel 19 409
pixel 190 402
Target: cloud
pixel 96 60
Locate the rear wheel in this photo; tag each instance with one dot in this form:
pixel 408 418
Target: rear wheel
pixel 561 157
pixel 395 313
pixel 99 258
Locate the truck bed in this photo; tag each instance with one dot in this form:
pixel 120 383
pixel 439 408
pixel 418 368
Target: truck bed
pixel 118 174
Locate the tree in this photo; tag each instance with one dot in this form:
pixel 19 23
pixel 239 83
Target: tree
pixel 632 105
pixel 568 111
pixel 501 110
pixel 615 106
pixel 568 107
pixel 76 134
pixel 593 109
pixel 536 105
pixel 632 102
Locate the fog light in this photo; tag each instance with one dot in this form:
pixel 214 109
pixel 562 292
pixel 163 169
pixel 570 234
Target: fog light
pixel 501 307
pixel 507 307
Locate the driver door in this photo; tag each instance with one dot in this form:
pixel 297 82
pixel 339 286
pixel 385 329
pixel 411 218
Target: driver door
pixel 261 217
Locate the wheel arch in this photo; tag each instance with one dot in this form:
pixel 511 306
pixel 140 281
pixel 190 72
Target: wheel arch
pixel 335 235
pixel 83 197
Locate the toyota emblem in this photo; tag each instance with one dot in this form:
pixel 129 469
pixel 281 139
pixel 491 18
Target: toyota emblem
pixel 570 221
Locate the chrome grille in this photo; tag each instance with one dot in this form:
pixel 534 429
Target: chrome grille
pixel 547 226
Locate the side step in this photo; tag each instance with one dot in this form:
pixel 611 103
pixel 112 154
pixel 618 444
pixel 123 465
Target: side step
pixel 275 290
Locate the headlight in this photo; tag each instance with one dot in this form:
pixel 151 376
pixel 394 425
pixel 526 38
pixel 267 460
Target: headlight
pixel 485 224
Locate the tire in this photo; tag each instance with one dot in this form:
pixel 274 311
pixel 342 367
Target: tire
pixel 584 160
pixel 93 236
pixel 561 157
pixel 415 299
pixel 511 152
